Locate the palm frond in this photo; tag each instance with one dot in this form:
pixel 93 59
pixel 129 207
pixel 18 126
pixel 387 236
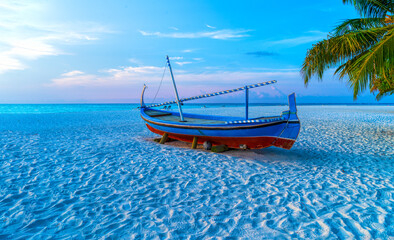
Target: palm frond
pixel 372 8
pixel 337 50
pixel 351 25
pixel 363 48
pixel 373 62
pixel 384 85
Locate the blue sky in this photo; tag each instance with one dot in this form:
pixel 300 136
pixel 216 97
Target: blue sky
pixel 104 51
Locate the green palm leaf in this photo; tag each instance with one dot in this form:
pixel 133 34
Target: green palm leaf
pixel 356 24
pixel 336 50
pixel 372 8
pixel 371 63
pixel 362 48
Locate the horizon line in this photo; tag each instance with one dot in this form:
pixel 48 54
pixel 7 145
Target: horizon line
pixel 137 103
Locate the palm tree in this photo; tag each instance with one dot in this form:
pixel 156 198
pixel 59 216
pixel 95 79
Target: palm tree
pixel 362 49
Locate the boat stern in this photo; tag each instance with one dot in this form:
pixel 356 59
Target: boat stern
pixel 290 133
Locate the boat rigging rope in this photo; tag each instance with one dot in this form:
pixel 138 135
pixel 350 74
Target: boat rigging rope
pixel 213 94
pixel 162 77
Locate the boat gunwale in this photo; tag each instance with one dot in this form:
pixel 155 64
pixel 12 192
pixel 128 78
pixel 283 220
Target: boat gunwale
pixel 223 126
pixel 209 117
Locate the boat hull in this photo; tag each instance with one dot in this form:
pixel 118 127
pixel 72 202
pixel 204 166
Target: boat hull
pixel 256 142
pixel 279 131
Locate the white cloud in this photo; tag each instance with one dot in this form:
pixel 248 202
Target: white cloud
pixel 26 35
pixel 176 58
pixel 31 48
pixel 291 42
pixel 127 82
pixel 134 70
pixel 218 34
pixel 209 26
pixel 14 5
pixel 182 63
pixel 7 63
pixel 110 77
pixel 77 80
pixel 72 73
pixel 125 76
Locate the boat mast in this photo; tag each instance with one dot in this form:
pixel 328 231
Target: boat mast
pixel 176 91
pixel 246 102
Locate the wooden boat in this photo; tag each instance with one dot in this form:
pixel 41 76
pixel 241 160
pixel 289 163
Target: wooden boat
pixel 235 132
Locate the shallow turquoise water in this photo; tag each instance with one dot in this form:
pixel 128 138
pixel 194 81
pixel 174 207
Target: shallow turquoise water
pixel 90 171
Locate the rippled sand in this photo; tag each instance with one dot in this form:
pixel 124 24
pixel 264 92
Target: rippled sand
pixel 97 174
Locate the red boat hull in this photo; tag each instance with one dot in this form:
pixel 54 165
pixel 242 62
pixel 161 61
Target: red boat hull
pixel 231 142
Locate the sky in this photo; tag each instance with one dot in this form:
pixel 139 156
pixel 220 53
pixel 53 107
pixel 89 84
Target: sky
pixel 105 51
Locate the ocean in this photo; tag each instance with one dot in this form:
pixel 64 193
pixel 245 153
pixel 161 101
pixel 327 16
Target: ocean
pixel 92 171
